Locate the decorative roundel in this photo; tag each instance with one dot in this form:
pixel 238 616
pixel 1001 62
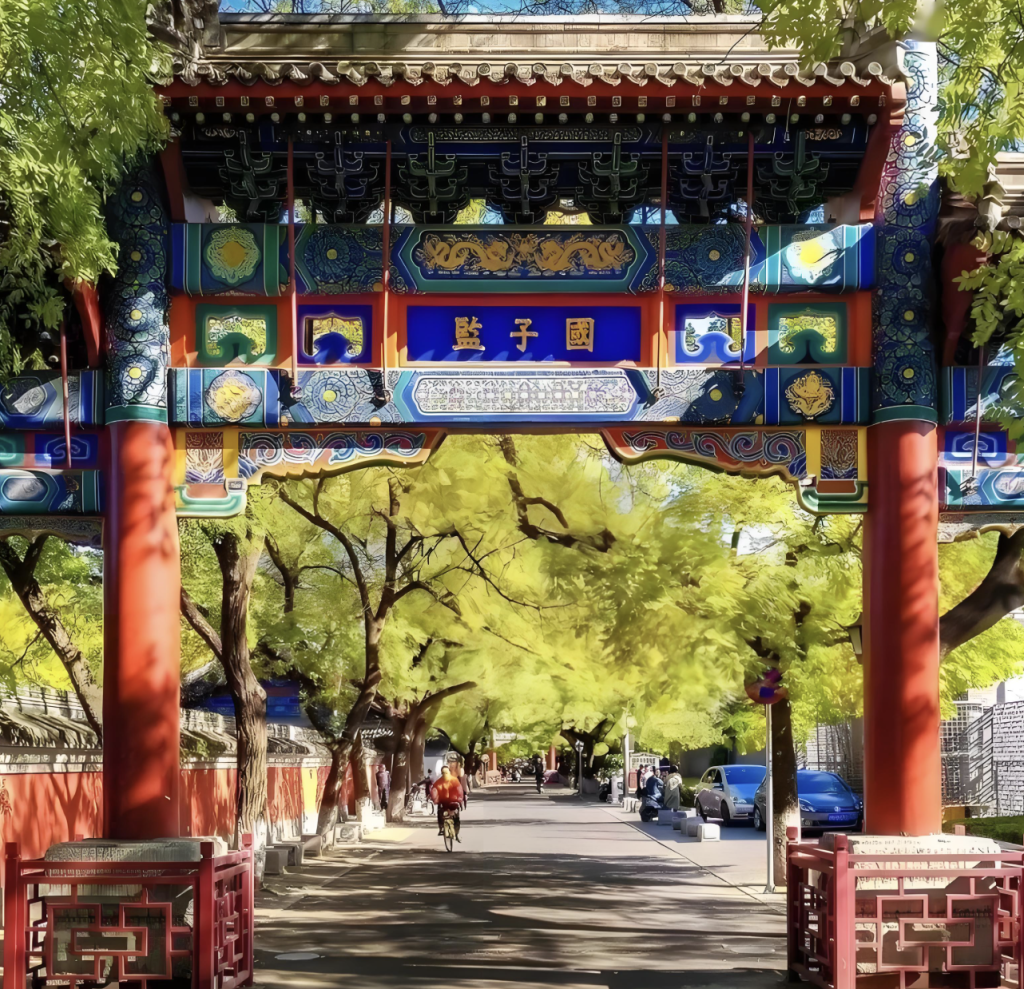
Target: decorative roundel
pixel 232 254
pixel 233 396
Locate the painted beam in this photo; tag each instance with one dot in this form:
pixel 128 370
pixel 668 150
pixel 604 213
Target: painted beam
pixel 479 396
pixel 34 401
pixel 251 259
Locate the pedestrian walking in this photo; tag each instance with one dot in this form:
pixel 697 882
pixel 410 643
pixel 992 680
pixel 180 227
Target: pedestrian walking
pixel 383 786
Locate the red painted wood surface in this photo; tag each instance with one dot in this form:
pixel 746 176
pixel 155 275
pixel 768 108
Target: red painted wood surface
pixel 141 635
pixel 902 758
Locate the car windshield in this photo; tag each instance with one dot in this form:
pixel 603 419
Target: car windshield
pixel 744 774
pixel 819 783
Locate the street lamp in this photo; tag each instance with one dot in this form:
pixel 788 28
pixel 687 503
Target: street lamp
pixel 579 766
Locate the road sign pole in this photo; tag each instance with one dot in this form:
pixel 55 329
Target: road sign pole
pixel 769 800
pixel 625 766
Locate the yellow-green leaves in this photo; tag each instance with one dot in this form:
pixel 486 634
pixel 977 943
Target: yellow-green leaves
pixel 76 101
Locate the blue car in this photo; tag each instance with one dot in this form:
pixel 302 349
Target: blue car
pixel 826 803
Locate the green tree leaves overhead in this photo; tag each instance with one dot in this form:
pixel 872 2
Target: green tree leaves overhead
pixel 76 101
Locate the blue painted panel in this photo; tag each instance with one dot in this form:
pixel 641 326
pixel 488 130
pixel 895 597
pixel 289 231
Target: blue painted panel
pixel 959 392
pixel 37 492
pixel 228 396
pixel 34 401
pixel 348 345
pixel 708 341
pixel 490 333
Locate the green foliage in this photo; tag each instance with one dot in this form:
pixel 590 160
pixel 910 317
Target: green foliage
pixel 72 580
pixel 77 101
pixel 1009 829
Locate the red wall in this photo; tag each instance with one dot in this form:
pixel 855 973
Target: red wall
pixel 207 802
pixel 41 809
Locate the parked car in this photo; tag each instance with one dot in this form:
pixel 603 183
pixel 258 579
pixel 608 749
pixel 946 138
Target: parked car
pixel 826 803
pixel 728 792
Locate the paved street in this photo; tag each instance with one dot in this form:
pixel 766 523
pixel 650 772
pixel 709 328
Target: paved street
pixel 543 891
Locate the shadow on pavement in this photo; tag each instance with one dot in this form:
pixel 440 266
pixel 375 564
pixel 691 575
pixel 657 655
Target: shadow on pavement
pixel 418 916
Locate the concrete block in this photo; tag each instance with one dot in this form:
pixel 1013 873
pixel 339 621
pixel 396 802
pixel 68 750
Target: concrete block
pixel 348 833
pixel 277 861
pixel 293 849
pixel 679 816
pixel 665 817
pixel 690 825
pixel 708 832
pixel 312 844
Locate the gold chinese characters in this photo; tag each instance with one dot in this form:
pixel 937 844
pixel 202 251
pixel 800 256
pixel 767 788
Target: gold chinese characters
pixel 467 334
pixel 523 333
pixel 579 334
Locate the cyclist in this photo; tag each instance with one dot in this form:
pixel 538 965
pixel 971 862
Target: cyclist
pixel 448 795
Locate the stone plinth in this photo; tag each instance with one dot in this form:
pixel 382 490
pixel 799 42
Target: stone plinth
pixel 949 911
pixel 105 902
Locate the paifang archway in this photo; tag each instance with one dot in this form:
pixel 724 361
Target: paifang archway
pixel 228 351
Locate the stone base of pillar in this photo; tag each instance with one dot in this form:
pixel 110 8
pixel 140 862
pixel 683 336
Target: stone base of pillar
pixel 156 903
pixel 939 901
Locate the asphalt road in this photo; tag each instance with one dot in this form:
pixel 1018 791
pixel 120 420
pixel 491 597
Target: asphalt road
pixel 543 891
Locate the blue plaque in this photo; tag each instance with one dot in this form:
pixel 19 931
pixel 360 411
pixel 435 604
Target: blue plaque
pixel 473 333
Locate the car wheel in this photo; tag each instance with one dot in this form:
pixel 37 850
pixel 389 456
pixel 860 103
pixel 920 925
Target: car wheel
pixel 726 816
pixel 758 820
pixel 702 810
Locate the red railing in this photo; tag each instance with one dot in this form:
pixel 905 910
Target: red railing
pixel 62 928
pixel 969 927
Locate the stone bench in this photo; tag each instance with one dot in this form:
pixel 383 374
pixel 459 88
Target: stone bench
pixel 292 848
pixel 276 862
pixel 313 844
pixel 348 833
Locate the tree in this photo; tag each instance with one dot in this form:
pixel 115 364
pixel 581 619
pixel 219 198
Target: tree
pixel 78 102
pixel 75 577
pixel 237 546
pixel 387 559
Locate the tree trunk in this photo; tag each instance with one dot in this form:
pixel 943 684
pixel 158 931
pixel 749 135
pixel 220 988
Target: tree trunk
pixel 785 802
pixel 328 815
pixel 419 744
pixel 351 733
pixel 405 728
pixel 360 784
pixel 238 557
pixel 21 573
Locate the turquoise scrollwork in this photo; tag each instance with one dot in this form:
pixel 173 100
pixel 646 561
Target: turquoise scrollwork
pixel 904 354
pixel 138 346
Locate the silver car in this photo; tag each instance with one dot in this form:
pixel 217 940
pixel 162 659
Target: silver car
pixel 727 792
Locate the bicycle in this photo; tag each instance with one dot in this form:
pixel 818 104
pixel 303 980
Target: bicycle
pixel 450 817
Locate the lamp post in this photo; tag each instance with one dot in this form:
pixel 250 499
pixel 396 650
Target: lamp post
pixel 630 722
pixel 579 767
pixel 769 801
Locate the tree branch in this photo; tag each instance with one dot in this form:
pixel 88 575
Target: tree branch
pixel 200 625
pixel 1000 592
pixel 602 541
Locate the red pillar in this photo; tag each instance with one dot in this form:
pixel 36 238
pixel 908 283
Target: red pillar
pixel 902 759
pixel 492 761
pixel 141 655
pixel 552 758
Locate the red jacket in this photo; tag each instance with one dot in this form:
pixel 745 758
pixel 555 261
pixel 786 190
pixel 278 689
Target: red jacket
pixel 447 792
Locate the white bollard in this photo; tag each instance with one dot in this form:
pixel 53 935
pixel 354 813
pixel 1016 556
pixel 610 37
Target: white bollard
pixel 708 832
